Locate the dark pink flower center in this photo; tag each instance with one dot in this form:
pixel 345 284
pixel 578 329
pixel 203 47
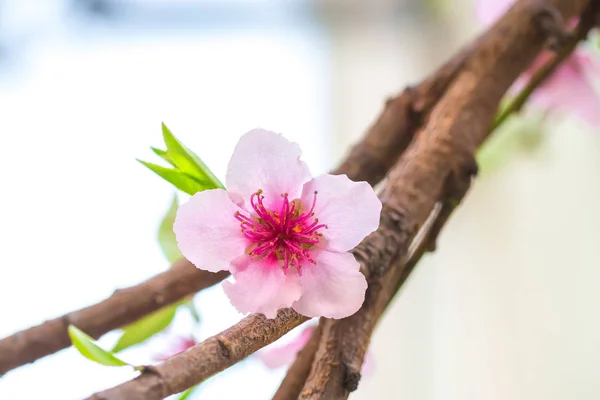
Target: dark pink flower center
pixel 285 234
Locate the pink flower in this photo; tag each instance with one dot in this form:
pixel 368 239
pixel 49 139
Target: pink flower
pixel 274 356
pixel 284 236
pixel 570 88
pixel 178 345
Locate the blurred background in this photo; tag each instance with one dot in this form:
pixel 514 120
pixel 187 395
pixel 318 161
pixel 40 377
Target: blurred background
pixel 505 309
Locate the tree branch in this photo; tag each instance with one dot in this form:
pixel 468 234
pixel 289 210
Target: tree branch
pixel 205 359
pixel 123 307
pixel 437 165
pixel 369 160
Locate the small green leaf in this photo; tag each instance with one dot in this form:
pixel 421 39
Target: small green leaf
pixel 164 155
pixel 166 236
pixel 89 349
pixel 188 162
pixel 187 393
pixel 180 180
pixel 146 327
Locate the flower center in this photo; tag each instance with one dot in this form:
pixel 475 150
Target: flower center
pixel 286 234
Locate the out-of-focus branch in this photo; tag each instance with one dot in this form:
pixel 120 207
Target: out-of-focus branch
pixel 369 160
pixel 436 166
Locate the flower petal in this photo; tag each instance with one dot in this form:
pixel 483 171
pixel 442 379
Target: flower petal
pixel 570 89
pixel 275 355
pixel 262 287
pixel 333 288
pixel 178 344
pixel 488 11
pixel 351 210
pixel 207 233
pixel 266 160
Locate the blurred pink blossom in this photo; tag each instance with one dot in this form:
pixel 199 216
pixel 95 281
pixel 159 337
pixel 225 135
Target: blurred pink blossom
pixel 176 345
pixel 284 236
pixel 277 356
pixel 570 89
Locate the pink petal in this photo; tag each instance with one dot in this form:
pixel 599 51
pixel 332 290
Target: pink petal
pixel 262 287
pixel 488 11
pixel 177 345
pixel 266 160
pixel 350 210
pixel 570 90
pixel 333 288
pixel 368 365
pixel 207 232
pixel 275 356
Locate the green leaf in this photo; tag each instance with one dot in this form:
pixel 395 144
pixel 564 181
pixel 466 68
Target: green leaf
pixel 188 162
pixel 187 393
pixel 166 236
pixel 180 180
pixel 89 349
pixel 163 154
pixel 146 327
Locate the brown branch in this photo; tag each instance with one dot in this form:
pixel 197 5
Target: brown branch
pixel 369 160
pixel 440 157
pixel 123 307
pixel 292 384
pixel 205 359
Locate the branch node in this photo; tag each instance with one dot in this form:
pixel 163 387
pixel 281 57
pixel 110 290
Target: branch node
pixel 224 348
pixel 149 369
pixel 351 380
pixel 552 24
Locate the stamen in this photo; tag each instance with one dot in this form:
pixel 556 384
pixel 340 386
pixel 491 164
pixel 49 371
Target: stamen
pixel 285 235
